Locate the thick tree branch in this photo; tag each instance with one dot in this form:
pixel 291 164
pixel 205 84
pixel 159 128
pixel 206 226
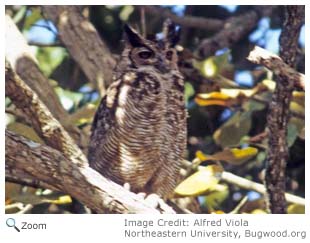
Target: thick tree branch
pixel 84 44
pixel 81 182
pixel 42 120
pixel 25 65
pixel 235 28
pixel 277 119
pixel 273 62
pixel 23 178
pixel 187 21
pixel 63 169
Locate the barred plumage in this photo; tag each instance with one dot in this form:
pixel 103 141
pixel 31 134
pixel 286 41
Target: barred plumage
pixel 139 130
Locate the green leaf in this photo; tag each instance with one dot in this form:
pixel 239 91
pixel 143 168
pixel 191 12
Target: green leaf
pixel 214 198
pixel 26 131
pixel 68 98
pixel 20 14
pixel 189 91
pixel 214 65
pixel 32 18
pixel 253 105
pixel 126 12
pixel 49 58
pixel 300 125
pixel 231 132
pixel 292 134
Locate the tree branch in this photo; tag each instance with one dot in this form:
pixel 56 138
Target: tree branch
pixel 234 29
pixel 277 119
pixel 273 62
pixel 42 120
pixel 254 186
pixel 187 21
pixel 23 178
pixel 80 181
pixel 84 44
pixel 25 64
pixel 63 169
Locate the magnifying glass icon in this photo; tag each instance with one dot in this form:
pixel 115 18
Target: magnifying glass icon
pixel 10 222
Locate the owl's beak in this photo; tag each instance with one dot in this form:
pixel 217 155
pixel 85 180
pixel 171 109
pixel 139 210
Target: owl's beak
pixel 162 66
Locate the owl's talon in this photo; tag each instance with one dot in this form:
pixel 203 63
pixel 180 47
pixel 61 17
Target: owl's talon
pixel 126 186
pixel 153 200
pixel 142 195
pixel 157 202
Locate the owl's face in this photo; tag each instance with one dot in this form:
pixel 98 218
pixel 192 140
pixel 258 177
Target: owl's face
pixel 159 54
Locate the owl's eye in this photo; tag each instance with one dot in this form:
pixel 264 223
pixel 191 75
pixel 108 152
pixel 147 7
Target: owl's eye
pixel 169 55
pixel 145 54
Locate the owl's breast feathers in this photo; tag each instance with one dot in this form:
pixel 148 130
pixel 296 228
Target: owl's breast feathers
pixel 139 131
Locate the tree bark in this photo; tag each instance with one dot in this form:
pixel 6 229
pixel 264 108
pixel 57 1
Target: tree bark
pixel 235 28
pixel 277 66
pixel 21 177
pixel 187 21
pixel 25 65
pixel 40 117
pixel 277 119
pixel 80 181
pixel 84 44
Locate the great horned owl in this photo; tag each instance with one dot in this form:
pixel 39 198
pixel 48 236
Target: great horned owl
pixel 139 130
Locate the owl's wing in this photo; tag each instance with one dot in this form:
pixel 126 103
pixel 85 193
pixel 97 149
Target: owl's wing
pixel 105 113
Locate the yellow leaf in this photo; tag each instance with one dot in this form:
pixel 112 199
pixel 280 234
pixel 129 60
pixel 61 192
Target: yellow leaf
pixel 215 197
pixel 61 200
pixel 201 156
pixel 209 68
pixel 294 106
pixel 234 156
pixel 226 97
pixel 234 93
pixel 214 95
pixel 218 212
pixel 213 98
pixel 244 153
pixel 270 84
pixel 299 97
pixel 203 180
pixel 202 102
pixel 258 211
pixel 296 209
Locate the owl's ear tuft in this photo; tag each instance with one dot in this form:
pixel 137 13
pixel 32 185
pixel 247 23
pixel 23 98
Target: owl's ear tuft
pixel 171 32
pixel 132 37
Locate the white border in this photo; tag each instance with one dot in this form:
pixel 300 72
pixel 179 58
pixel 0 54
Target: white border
pixel 103 228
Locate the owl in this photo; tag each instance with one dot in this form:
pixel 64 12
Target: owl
pixel 139 131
